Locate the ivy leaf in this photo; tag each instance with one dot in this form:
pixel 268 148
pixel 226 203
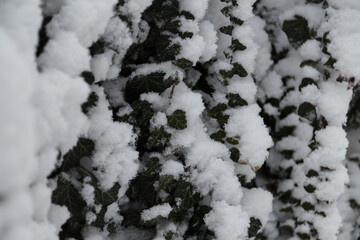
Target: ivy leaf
pixel 177 120
pixel 218 136
pixel 309 63
pixel 217 112
pixel 235 100
pixel 184 191
pixel 108 197
pixel 239 70
pixel 158 138
pixel 184 63
pixel 153 82
pixel 297 30
pixel 83 148
pixel 330 62
pixel 315 1
pixel 90 103
pixel 165 49
pixel 187 15
pixel 237 46
pixel 307 110
pixel 88 77
pixel 255 225
pixel 67 195
pixel 284 132
pixel 227 29
pixel 307 81
pixel 234 154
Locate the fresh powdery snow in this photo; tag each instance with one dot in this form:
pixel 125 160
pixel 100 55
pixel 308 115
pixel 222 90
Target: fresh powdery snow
pixel 179 119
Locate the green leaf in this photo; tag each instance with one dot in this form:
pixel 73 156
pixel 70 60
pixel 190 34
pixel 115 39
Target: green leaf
pixel 187 15
pixel 307 110
pixel 312 173
pixel 284 132
pixel 84 148
pixel 234 154
pixel 307 81
pixel 235 100
pixel 303 236
pixel 218 136
pixel 239 70
pixel 158 138
pixel 108 197
pixel 315 1
pixel 172 26
pixel 232 141
pixel 310 188
pixel 153 82
pixel 67 195
pixel 297 30
pixel 310 63
pixel 177 120
pixel 255 225
pixel 237 46
pixel 307 206
pixel 90 103
pixel 227 29
pixel 217 112
pixel 184 191
pixel 236 21
pixel 330 62
pixel 88 77
pixel 166 50
pixel 184 63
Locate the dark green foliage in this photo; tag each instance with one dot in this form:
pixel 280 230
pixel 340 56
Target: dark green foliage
pixel 232 141
pixel 83 148
pixel 88 77
pixel 307 110
pixel 237 46
pixel 297 30
pixel 315 1
pixel 235 100
pixel 310 63
pixel 177 120
pixel 184 192
pixel 108 197
pixel 255 225
pixel 307 81
pixel 303 236
pixel 158 138
pixel 310 188
pixel 218 136
pixel 217 112
pixel 184 63
pixel 330 62
pixel 284 132
pixel 90 103
pixel 67 195
pixel 287 111
pixel 227 29
pixel 234 154
pixel 153 82
pixel 312 173
pixel 307 206
pixel 353 114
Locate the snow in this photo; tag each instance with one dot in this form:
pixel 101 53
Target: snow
pixel 65 53
pixel 41 117
pixel 115 159
pixel 172 168
pixel 246 123
pixel 162 210
pixel 228 222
